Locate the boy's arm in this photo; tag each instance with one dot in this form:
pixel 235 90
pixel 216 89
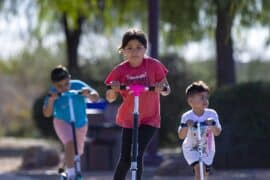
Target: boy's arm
pixel 182 132
pixel 216 130
pixel 183 129
pixel 48 108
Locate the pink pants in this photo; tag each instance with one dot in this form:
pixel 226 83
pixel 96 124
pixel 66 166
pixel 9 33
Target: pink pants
pixel 64 133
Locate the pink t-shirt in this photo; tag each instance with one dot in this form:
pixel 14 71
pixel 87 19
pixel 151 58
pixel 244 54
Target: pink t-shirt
pixel 148 73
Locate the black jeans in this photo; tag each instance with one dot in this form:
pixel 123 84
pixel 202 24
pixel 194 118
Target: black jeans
pixel 145 134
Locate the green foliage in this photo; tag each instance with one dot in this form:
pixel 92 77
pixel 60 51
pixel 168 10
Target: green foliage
pixel 181 19
pixel 193 20
pixel 31 67
pixel 203 70
pixel 54 10
pixel 101 15
pixel 244 114
pixel 255 70
pixel 23 77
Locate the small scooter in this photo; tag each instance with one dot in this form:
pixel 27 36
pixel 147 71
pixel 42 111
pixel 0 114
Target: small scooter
pixel 198 126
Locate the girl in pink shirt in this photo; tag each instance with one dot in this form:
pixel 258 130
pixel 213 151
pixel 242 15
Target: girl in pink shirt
pixel 137 69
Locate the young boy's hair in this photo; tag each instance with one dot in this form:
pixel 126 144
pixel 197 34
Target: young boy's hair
pixel 132 34
pixel 59 73
pixel 196 87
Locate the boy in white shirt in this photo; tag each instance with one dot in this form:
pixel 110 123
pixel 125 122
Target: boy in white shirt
pixel 197 97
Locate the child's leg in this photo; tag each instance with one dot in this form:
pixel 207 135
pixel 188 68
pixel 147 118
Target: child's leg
pixel 197 171
pixel 196 168
pixel 125 159
pixel 144 137
pixel 207 169
pixel 145 134
pixel 64 133
pixel 69 154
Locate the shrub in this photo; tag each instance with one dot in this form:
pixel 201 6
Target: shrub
pixel 244 115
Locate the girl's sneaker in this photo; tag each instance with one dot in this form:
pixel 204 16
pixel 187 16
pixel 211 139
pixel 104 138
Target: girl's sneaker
pixel 71 178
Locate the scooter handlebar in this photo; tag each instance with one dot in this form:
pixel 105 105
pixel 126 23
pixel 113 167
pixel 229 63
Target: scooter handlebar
pixel 75 92
pixel 147 88
pixel 201 124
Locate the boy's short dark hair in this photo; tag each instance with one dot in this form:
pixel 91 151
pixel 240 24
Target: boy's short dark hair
pixel 132 34
pixel 59 73
pixel 196 87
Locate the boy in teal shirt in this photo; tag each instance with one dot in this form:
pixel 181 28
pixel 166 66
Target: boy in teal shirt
pixel 58 107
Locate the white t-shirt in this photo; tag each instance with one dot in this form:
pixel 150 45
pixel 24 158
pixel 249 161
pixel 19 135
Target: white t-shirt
pixel 190 143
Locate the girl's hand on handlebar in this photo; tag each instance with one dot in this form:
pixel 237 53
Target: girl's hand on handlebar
pixel 163 88
pixel 159 87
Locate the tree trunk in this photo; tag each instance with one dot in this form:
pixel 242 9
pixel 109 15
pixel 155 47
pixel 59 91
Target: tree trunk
pixel 151 157
pixel 72 42
pixel 225 67
pixel 153 27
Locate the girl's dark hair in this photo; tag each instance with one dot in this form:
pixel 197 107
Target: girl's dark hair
pixel 59 73
pixel 196 87
pixel 132 34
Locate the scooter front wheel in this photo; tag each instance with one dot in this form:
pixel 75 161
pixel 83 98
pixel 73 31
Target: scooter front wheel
pixel 79 177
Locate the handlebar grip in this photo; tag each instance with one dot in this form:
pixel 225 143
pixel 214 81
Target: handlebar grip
pixel 205 124
pixel 122 87
pixel 195 124
pixel 183 125
pixel 58 94
pixel 151 88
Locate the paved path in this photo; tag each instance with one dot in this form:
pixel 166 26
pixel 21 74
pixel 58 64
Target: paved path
pixel 148 175
pixel 10 159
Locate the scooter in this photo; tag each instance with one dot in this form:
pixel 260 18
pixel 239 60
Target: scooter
pixel 136 90
pixel 77 162
pixel 198 126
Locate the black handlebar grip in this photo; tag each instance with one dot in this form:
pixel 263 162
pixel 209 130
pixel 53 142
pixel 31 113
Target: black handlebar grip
pixel 123 87
pixel 58 94
pixel 202 124
pixel 151 88
pixel 183 125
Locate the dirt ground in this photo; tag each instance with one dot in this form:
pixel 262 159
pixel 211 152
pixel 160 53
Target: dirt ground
pixel 10 160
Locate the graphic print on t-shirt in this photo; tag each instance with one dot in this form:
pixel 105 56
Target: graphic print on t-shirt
pixel 206 140
pixel 138 79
